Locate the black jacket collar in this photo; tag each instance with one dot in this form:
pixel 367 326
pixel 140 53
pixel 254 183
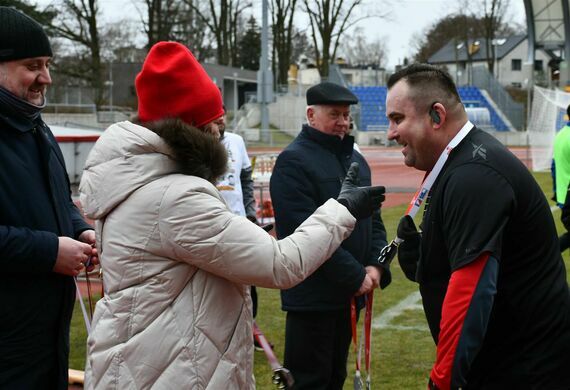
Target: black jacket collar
pixel 332 142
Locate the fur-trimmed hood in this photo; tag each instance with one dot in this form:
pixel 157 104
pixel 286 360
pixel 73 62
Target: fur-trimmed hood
pixel 127 156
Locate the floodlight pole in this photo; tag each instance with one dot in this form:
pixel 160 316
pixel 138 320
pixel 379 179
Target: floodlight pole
pixel 264 77
pixel 109 83
pixel 235 99
pixel 111 88
pixel 531 42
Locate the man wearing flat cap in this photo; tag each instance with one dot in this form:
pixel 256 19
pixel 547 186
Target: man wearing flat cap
pixel 307 173
pixel 44 240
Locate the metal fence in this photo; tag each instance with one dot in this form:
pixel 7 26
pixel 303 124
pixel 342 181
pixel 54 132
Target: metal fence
pixel 482 79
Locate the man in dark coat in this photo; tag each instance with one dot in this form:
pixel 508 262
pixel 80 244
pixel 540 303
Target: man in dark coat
pixel 492 280
pixel 44 241
pixel 307 173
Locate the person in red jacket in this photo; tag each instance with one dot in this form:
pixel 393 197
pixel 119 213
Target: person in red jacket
pixel 487 262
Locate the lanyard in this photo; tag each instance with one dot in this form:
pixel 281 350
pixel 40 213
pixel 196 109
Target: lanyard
pixel 83 310
pixel 389 251
pixel 366 334
pixel 86 318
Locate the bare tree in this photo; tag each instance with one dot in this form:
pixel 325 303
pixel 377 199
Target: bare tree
pixel 329 20
pixel 118 42
pixel 177 20
pixel 301 45
pixel 456 27
pixel 77 23
pixel 282 14
pixel 493 16
pixel 484 19
pixel 193 31
pixel 360 52
pixel 161 17
pixel 466 32
pixel 224 21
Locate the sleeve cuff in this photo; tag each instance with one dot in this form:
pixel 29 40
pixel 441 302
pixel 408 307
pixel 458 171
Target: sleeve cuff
pixel 355 286
pixel 46 251
pixel 386 277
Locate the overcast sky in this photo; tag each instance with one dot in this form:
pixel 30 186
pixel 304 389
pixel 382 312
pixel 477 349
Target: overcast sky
pixel 406 18
pixel 416 16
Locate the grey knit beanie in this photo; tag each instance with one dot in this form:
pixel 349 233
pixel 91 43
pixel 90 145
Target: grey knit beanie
pixel 21 36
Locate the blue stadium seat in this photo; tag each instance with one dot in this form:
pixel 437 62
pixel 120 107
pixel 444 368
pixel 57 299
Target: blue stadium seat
pixel 473 97
pixel 373 110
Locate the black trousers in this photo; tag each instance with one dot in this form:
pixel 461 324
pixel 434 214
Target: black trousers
pixel 564 240
pixel 316 348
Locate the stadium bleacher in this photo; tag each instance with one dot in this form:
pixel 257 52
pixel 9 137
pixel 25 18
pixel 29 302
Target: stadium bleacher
pixel 373 107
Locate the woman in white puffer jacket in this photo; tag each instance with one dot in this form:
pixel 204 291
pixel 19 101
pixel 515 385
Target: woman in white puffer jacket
pixel 177 262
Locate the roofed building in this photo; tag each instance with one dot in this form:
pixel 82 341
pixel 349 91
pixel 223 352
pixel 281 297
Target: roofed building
pixel 510 68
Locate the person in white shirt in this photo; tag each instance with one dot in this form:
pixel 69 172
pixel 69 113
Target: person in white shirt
pixel 236 186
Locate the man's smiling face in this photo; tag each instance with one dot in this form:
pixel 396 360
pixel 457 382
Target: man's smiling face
pixel 410 127
pixel 27 78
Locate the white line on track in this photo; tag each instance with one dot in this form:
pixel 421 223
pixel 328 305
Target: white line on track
pixel 411 302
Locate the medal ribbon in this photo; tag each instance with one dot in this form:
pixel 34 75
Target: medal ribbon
pixel 367 338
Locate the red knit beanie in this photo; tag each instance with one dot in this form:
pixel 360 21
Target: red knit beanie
pixel 172 84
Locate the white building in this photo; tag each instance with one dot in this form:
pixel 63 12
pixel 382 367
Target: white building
pixel 511 69
pixel 367 76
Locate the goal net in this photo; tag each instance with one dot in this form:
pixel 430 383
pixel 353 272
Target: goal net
pixel 548 116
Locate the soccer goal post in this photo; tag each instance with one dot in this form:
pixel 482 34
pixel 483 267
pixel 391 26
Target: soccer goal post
pixel 548 115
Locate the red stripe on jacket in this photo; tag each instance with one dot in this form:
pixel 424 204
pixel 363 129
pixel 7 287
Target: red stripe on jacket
pixel 460 290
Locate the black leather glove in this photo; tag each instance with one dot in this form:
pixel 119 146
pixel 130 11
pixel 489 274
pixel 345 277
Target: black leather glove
pixel 252 219
pixel 409 250
pixel 360 201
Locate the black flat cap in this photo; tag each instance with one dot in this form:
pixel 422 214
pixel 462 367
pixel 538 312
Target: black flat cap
pixel 330 93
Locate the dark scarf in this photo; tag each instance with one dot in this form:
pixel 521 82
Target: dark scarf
pixel 19 106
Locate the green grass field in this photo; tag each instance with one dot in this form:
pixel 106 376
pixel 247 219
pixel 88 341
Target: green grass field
pixel 402 352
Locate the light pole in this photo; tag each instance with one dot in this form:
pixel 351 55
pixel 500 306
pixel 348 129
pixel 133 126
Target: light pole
pixel 264 77
pixel 235 97
pixel 109 83
pixel 457 47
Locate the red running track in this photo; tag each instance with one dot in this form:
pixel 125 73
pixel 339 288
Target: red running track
pixel 388 170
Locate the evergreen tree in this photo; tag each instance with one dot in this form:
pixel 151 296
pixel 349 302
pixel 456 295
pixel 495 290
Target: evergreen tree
pixel 42 17
pixel 250 46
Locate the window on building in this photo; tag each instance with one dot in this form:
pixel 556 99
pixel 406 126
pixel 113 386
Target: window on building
pixel 538 65
pixel 516 64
